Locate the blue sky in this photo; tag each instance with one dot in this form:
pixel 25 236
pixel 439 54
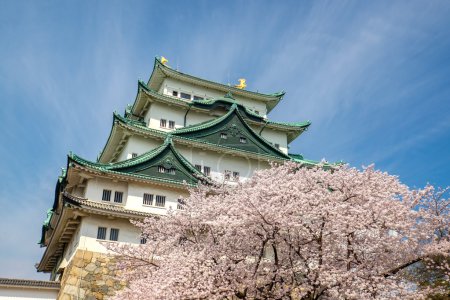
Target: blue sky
pixel 372 76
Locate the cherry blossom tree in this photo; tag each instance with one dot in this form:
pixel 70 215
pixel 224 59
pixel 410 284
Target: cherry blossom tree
pixel 290 232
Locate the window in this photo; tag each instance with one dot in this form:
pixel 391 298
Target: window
pixel 198 167
pixel 160 201
pixel 226 175
pixel 106 195
pixel 101 233
pixel 175 93
pixel 198 98
pixel 162 123
pixel 243 140
pixel 133 155
pixel 277 146
pixel 236 176
pixel 256 112
pixel 223 135
pixel 171 124
pixel 206 170
pixel 170 171
pixel 118 197
pixel 180 204
pixel 147 199
pixel 143 240
pixel 185 96
pixel 114 234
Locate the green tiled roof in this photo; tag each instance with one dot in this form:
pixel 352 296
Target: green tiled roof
pixel 235 126
pixel 270 97
pixel 143 166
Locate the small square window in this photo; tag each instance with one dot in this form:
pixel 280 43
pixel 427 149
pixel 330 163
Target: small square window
pixel 185 96
pixel 206 170
pixel 198 167
pixel 236 176
pixel 114 234
pixel 106 195
pixel 160 201
pixel 256 112
pixel 101 233
pixel 175 93
pixel 147 199
pixel 118 197
pixel 180 204
pixel 162 123
pixel 171 124
pixel 227 175
pixel 277 146
pixel 243 140
pixel 143 240
pixel 223 135
pixel 133 155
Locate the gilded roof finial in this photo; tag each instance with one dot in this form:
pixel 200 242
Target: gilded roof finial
pixel 164 60
pixel 242 85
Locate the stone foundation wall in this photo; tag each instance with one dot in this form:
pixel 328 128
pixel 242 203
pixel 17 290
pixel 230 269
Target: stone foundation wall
pixel 90 275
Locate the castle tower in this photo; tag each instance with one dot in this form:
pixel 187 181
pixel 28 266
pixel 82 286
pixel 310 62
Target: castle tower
pixel 180 131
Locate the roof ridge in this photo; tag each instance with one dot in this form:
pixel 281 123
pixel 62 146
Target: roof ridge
pixel 278 95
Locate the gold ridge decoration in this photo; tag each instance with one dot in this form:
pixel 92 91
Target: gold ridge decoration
pixel 164 60
pixel 242 85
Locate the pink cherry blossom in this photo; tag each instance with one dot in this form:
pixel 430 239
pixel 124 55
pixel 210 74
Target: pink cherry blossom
pixel 290 233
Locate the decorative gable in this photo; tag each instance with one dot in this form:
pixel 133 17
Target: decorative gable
pixel 231 131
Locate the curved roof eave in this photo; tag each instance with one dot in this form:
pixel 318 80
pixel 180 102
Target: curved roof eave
pixel 169 72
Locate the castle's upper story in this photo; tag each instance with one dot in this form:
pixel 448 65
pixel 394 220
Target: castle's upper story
pixel 172 100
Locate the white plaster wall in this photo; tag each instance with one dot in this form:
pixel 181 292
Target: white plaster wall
pixel 128 233
pixel 160 111
pixel 95 186
pixel 139 145
pixel 194 117
pixel 274 136
pixel 170 84
pixel 17 293
pixel 219 162
pixel 136 194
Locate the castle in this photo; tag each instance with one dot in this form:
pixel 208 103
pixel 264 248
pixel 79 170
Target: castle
pixel 180 131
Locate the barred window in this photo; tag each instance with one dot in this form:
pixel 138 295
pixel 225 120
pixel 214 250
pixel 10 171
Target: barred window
pixel 101 233
pixel 118 197
pixel 160 201
pixel 133 155
pixel 277 146
pixel 171 124
pixel 106 195
pixel 198 98
pixel 185 96
pixel 236 176
pixel 223 135
pixel 161 169
pixel 206 170
pixel 162 123
pixel 114 234
pixel 180 204
pixel 198 167
pixel 147 199
pixel 243 140
pixel 227 174
pixel 143 240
